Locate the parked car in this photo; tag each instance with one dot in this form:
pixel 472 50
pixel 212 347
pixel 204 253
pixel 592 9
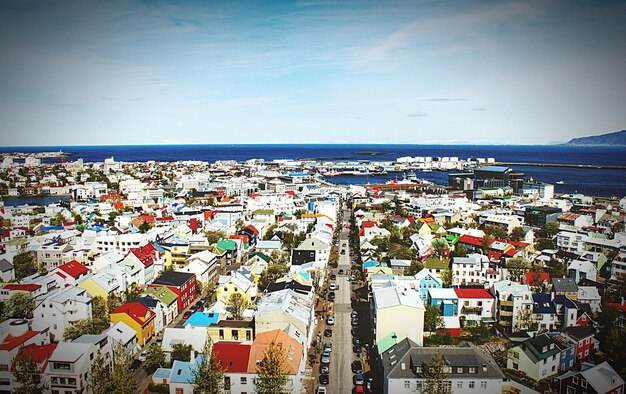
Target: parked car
pixel 324 378
pixel 330 320
pixel 355 321
pixel 325 359
pixel 343 251
pixel 359 379
pixel 321 390
pixel 324 369
pixel 356 341
pixel 332 287
pixel 340 272
pixel 331 295
pixel 357 366
pixel 354 314
pixel 328 333
pixel 333 277
pixel 356 349
pixel 328 346
pixel 187 314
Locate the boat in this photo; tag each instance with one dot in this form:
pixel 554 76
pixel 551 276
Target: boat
pixel 560 182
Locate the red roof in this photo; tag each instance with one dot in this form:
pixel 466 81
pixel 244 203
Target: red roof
pixel 243 238
pixel 471 240
pixel 37 353
pixel 232 356
pixel 472 293
pixel 147 218
pixel 146 254
pixel 618 306
pixel 10 342
pixel 532 277
pixel 73 268
pixel 137 312
pixel 291 192
pixel 209 214
pixel 22 287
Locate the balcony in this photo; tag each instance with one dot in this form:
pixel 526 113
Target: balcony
pixel 472 310
pixel 506 303
pixel 506 313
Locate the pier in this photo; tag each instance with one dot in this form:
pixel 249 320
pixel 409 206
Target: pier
pixel 561 165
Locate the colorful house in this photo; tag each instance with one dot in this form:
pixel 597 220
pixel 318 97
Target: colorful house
pixel 137 317
pixel 183 284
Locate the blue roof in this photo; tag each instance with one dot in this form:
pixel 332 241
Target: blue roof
pixel 200 319
pixel 182 371
pixel 52 228
pixel 563 300
pixel 299 174
pixel 162 373
pixel 542 303
pixel 493 168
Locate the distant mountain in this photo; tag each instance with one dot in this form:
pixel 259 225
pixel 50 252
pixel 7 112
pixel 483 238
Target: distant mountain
pixel 616 138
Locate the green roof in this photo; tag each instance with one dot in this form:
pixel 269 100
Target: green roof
pixel 437 263
pixel 261 255
pixel 263 212
pixel 227 244
pixel 452 239
pixel 387 342
pixel 161 293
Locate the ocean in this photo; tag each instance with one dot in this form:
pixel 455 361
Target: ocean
pixel 597 182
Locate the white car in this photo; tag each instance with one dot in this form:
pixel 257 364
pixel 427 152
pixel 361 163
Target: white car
pixel 330 320
pixel 332 287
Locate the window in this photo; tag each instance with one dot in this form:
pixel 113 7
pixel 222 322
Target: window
pixel 583 383
pixel 483 384
pixel 235 335
pixel 244 380
pixel 180 391
pixel 459 369
pixel 248 335
pixel 221 334
pixel 407 384
pixel 472 369
pixel 459 384
pixel 472 384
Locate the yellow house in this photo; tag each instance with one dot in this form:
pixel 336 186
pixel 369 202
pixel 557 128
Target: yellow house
pixel 94 288
pixel 177 254
pixel 231 330
pixel 378 270
pixel 236 283
pixel 137 317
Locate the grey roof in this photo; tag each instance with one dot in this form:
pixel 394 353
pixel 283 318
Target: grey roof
pixel 5 265
pixel 564 285
pixel 408 356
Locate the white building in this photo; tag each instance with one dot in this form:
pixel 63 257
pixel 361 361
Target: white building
pixel 60 308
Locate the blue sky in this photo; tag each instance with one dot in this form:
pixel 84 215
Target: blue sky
pixel 126 72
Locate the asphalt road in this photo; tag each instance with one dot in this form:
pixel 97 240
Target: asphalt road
pixel 342 355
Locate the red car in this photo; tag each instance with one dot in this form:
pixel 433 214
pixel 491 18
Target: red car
pixel 359 388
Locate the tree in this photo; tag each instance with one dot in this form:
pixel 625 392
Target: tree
pixel 272 272
pixel 436 378
pixel 24 265
pixel 114 300
pixel 459 251
pixel 99 381
pixel 272 378
pixel 20 305
pixel 415 267
pixel 440 247
pixel 81 327
pixel 447 277
pixel 57 219
pixel 214 236
pixel 132 291
pixel 181 352
pixel 498 232
pixel 28 376
pixel 208 374
pixel 155 358
pixel 237 303
pixel 517 267
pixel 122 376
pixel 517 234
pixel 99 308
pixel 550 230
pixel 432 318
pixel 544 243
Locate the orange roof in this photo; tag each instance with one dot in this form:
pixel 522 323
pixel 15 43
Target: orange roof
pixel 10 342
pixel 293 350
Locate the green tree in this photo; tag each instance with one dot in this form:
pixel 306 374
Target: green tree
pixel 122 376
pixel 20 305
pixel 82 327
pixel 434 372
pixel 99 380
pixel 271 375
pixel 99 308
pixel 133 291
pixel 58 219
pixel 440 247
pixel 28 376
pixel 114 300
pixel 447 277
pixel 181 352
pixel 208 374
pixel 24 265
pixel 459 250
pixel 517 234
pixel 272 272
pixel 549 230
pixel 415 267
pixel 214 236
pixel 498 232
pixel 544 243
pixel 517 267
pixel 432 318
pixel 155 358
pixel 236 304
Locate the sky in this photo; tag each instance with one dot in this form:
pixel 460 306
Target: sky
pixel 226 72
